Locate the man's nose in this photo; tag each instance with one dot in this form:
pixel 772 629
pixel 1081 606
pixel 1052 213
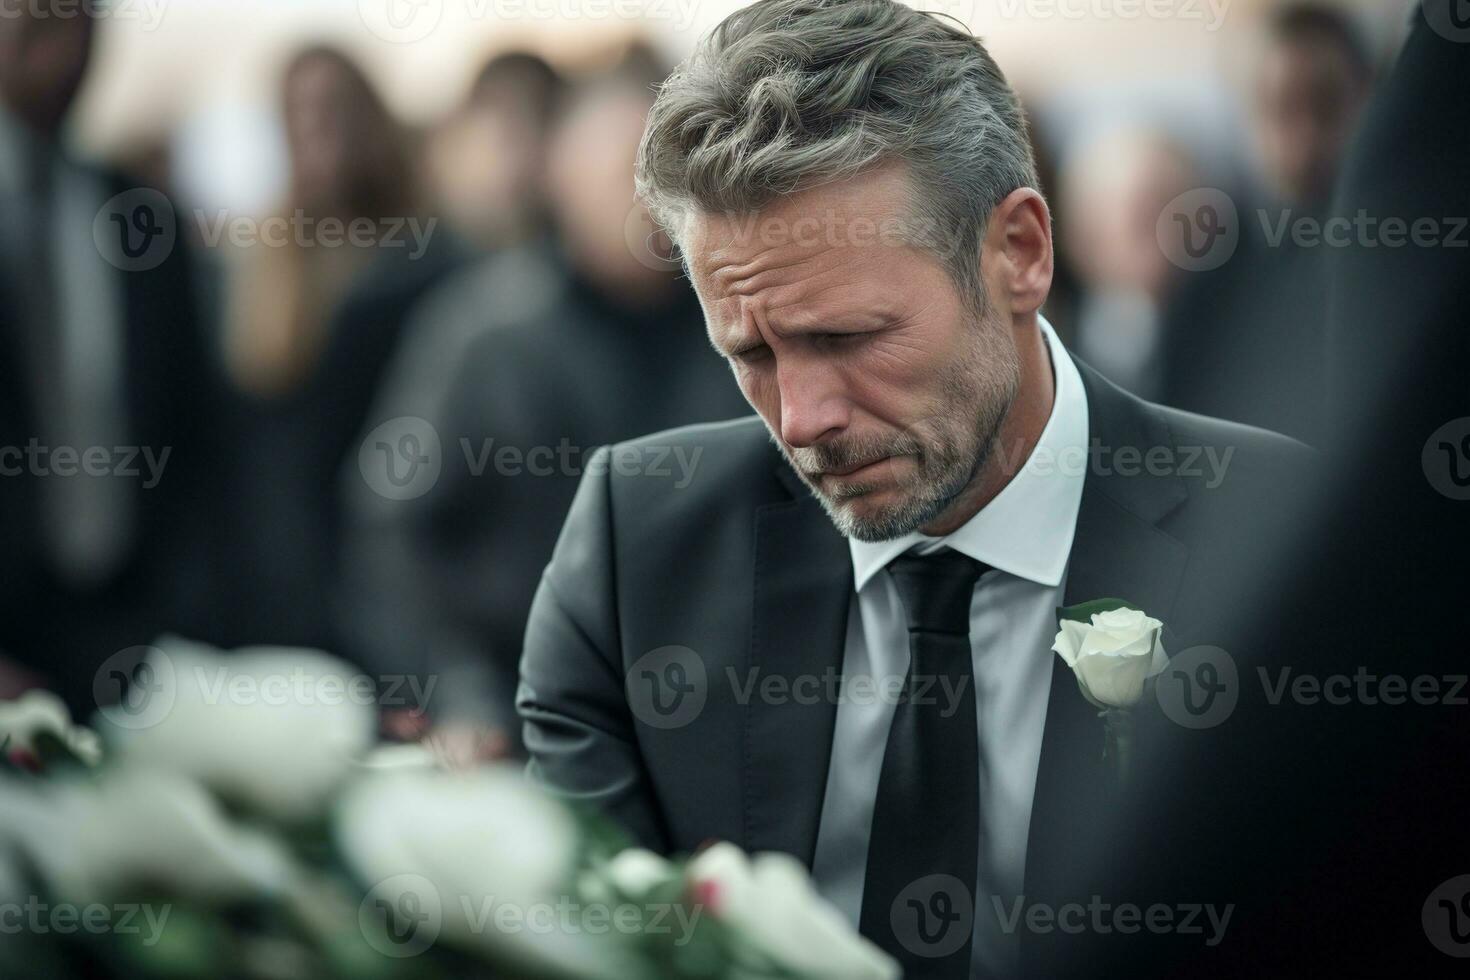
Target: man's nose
pixel 813 403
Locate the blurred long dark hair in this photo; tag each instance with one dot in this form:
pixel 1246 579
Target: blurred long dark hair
pixel 349 161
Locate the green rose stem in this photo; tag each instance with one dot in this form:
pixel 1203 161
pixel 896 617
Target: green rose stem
pixel 1118 737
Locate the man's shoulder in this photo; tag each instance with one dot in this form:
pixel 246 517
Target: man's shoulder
pixel 1240 481
pixel 1260 447
pixel 1251 454
pixel 694 468
pixel 724 449
pixel 746 432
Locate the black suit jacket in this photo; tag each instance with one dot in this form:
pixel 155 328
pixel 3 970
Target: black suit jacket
pixel 744 568
pixel 171 399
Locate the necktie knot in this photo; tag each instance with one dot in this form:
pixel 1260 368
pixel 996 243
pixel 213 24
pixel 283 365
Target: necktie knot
pixel 936 590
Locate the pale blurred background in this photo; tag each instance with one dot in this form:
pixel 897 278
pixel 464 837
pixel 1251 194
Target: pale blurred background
pixel 201 74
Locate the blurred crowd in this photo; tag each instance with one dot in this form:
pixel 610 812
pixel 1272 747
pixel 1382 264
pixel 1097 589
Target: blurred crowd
pixel 368 444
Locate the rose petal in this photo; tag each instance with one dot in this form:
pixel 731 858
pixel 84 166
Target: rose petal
pixel 1069 640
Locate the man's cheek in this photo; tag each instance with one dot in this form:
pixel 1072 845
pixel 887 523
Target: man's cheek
pixel 763 395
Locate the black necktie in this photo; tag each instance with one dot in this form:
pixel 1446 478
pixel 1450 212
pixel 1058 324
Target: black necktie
pixel 918 894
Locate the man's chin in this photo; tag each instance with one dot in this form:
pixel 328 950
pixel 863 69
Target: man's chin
pixel 879 515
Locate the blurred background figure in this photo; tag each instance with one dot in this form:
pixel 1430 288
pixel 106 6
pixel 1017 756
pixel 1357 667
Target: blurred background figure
pixel 106 392
pixel 486 161
pixel 312 317
pixel 1247 341
pixel 1112 192
pixel 1062 301
pixel 1312 81
pixel 549 351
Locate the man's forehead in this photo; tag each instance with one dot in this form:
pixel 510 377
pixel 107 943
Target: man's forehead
pixel 855 220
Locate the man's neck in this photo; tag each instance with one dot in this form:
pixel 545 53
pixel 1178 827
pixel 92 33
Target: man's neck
pixel 1019 433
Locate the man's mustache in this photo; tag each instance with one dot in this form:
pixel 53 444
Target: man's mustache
pixel 850 453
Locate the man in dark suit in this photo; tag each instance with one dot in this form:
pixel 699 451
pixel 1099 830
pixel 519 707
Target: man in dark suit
pixel 835 639
pixel 106 396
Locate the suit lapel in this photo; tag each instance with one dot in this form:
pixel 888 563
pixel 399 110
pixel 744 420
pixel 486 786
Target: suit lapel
pixel 803 584
pixel 1118 551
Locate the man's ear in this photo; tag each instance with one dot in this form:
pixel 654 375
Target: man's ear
pixel 1016 262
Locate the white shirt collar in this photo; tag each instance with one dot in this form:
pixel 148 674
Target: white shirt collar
pixel 1027 529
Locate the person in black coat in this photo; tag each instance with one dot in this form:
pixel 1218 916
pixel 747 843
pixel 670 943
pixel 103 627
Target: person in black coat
pixel 311 327
pixel 1247 341
pixel 519 367
pixel 108 397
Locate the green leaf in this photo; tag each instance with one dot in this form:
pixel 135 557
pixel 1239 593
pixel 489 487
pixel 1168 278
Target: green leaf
pixel 1084 611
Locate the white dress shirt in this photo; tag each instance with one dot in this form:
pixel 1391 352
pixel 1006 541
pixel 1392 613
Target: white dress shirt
pixel 1025 535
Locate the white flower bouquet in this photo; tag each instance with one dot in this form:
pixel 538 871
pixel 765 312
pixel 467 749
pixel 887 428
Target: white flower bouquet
pixel 234 817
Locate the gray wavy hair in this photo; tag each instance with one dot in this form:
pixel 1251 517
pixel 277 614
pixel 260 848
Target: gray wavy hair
pixel 787 94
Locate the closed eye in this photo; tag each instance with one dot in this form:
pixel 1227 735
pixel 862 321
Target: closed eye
pixel 751 355
pixel 839 340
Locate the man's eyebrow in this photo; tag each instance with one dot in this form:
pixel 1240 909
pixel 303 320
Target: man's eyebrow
pixel 835 322
pixel 738 341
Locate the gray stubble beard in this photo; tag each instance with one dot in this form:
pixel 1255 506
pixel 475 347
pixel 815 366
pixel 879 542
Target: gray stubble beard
pixel 988 378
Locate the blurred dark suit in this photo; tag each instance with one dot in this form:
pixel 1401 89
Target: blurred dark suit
pixel 1369 816
pixel 279 539
pixel 515 353
pixel 1248 341
pixel 1393 545
pixel 63 617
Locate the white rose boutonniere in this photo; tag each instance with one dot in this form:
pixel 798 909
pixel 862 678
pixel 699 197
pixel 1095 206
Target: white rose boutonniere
pixel 1115 650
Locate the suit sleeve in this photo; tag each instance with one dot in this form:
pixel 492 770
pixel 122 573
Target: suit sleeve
pixel 577 726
